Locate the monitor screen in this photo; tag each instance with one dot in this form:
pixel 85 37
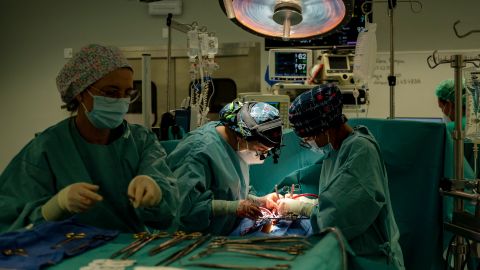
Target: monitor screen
pixel 338 62
pixel 289 64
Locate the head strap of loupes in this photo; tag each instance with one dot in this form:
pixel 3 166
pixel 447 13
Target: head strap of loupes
pixel 263 122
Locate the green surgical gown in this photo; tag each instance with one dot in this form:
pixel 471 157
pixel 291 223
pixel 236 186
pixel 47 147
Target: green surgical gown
pixel 354 197
pixel 60 156
pixel 207 168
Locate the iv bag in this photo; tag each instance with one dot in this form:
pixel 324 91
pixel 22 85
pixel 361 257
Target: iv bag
pixel 365 60
pixel 193 43
pixel 472 85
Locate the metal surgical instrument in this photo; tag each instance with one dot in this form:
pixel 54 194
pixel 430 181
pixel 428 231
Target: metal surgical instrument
pixel 183 252
pixel 229 266
pixel 144 242
pixel 69 237
pixel 179 237
pixel 240 251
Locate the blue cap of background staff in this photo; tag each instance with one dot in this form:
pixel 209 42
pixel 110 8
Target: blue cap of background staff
pixel 314 111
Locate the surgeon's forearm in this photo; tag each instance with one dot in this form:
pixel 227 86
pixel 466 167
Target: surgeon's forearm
pixel 222 207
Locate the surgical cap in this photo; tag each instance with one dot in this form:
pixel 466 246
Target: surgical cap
pixel 262 113
pixel 86 67
pixel 445 90
pixel 316 110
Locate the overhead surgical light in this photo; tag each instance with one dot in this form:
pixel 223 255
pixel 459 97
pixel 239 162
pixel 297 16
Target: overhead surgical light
pixel 289 19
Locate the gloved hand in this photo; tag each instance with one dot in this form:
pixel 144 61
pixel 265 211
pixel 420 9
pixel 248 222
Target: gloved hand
pixel 75 198
pixel 248 209
pixel 241 208
pixel 307 200
pixel 287 206
pixel 268 201
pixel 144 191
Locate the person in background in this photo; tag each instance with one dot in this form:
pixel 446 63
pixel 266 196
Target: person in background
pixel 353 184
pixel 93 165
pixel 212 167
pixel 445 92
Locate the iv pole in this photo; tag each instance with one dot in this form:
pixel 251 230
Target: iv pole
pixel 392 79
pixel 461 223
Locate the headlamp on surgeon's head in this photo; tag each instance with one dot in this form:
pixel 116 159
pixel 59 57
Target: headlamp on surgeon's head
pixel 268 132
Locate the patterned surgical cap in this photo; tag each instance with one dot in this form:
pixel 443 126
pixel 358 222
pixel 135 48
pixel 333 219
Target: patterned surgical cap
pixel 86 67
pixel 260 112
pixel 316 110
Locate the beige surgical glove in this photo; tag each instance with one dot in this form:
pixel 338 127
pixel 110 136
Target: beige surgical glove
pixel 307 200
pixel 75 198
pixel 268 201
pixel 287 206
pixel 144 191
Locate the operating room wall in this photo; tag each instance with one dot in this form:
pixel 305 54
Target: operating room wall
pixel 34 34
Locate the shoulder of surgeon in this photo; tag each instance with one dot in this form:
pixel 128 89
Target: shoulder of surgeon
pixel 36 148
pixel 199 141
pixel 361 139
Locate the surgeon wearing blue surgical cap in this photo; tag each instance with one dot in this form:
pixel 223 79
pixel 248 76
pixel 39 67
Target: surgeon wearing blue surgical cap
pixel 212 167
pixel 93 166
pixel 353 185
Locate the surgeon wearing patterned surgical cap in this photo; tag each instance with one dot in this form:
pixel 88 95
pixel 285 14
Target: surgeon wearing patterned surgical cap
pixel 353 185
pixel 93 165
pixel 212 167
pixel 445 92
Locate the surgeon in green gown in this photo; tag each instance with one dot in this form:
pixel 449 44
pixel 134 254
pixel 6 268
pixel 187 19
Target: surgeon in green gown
pixel 212 167
pixel 445 93
pixel 92 166
pixel 353 184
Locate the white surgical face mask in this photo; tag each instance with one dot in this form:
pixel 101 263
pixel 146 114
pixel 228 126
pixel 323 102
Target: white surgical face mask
pixel 248 156
pixel 325 150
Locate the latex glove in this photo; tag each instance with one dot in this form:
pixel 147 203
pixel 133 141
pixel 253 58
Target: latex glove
pixel 248 209
pixel 268 201
pixel 287 206
pixel 75 198
pixel 307 200
pixel 144 191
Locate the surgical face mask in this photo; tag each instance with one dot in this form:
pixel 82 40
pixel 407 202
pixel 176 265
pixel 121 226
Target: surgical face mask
pixel 107 112
pixel 249 156
pixel 325 150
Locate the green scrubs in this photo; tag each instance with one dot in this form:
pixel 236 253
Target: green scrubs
pixel 60 156
pixel 354 196
pixel 207 168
